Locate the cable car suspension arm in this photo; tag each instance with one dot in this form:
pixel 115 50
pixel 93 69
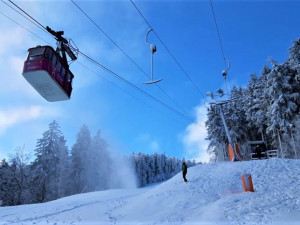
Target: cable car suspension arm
pixel 64 45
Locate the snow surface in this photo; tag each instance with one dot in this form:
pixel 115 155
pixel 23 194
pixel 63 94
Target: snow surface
pixel 213 195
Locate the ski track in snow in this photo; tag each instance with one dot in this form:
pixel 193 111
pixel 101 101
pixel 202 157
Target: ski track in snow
pixel 212 196
pixel 48 218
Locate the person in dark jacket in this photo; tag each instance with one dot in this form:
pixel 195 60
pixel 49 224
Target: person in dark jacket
pixel 184 171
pixel 258 152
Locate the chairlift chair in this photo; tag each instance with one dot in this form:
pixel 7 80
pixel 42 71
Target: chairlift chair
pixel 152 51
pixel 224 72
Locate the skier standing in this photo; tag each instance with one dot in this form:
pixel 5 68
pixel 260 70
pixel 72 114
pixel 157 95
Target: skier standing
pixel 184 171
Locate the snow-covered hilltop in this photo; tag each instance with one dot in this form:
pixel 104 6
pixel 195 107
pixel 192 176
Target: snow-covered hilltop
pixel 213 195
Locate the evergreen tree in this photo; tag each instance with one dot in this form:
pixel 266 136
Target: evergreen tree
pixel 45 168
pixel 284 102
pixel 79 161
pixel 215 132
pixel 6 186
pixel 156 167
pixel 99 166
pixel 294 58
pixel 236 119
pixel 268 108
pixel 63 178
pixel 257 104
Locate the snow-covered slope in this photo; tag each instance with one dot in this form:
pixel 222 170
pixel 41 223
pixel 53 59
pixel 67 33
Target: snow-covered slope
pixel 213 195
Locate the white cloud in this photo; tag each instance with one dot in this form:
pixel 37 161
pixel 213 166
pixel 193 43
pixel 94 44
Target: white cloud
pixel 12 117
pixel 13 54
pixel 12 40
pixel 194 137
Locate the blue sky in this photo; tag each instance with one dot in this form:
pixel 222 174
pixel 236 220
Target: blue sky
pixel 251 32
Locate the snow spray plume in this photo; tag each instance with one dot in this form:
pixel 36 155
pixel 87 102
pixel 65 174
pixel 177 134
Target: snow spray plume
pixel 122 172
pixel 101 169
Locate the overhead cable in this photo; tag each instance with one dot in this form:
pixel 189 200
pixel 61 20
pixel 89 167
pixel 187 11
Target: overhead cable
pixel 27 14
pixel 116 75
pixel 167 49
pixel 128 93
pixel 220 42
pixel 134 86
pixel 25 17
pixel 219 36
pixel 128 56
pixel 24 28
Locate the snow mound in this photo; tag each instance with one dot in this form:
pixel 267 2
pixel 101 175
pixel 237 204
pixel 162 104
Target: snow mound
pixel 213 195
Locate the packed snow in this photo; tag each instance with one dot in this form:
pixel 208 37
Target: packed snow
pixel 212 195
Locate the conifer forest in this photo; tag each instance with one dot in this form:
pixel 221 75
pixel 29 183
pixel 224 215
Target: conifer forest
pixel 89 166
pixel 267 109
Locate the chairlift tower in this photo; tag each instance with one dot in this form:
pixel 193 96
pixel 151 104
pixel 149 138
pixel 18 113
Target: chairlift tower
pixel 219 104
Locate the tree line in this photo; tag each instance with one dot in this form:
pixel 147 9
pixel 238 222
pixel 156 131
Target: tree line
pixel 89 166
pixel 156 167
pixel 266 109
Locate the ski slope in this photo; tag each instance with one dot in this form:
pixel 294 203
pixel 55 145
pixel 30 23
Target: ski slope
pixel 213 195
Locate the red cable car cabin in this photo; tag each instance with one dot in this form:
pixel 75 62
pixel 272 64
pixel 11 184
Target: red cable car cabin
pixel 47 73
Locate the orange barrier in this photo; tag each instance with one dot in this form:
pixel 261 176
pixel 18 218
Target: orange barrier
pixel 247 182
pixel 232 156
pixel 231 153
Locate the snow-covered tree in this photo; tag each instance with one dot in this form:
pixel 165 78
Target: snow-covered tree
pixel 257 104
pixel 79 161
pixel 46 167
pixel 294 50
pixel 267 108
pixel 99 164
pixel 294 138
pixel 156 167
pixel 63 167
pixel 20 176
pixel 236 119
pixel 141 168
pixel 216 131
pixel 6 184
pixel 284 101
